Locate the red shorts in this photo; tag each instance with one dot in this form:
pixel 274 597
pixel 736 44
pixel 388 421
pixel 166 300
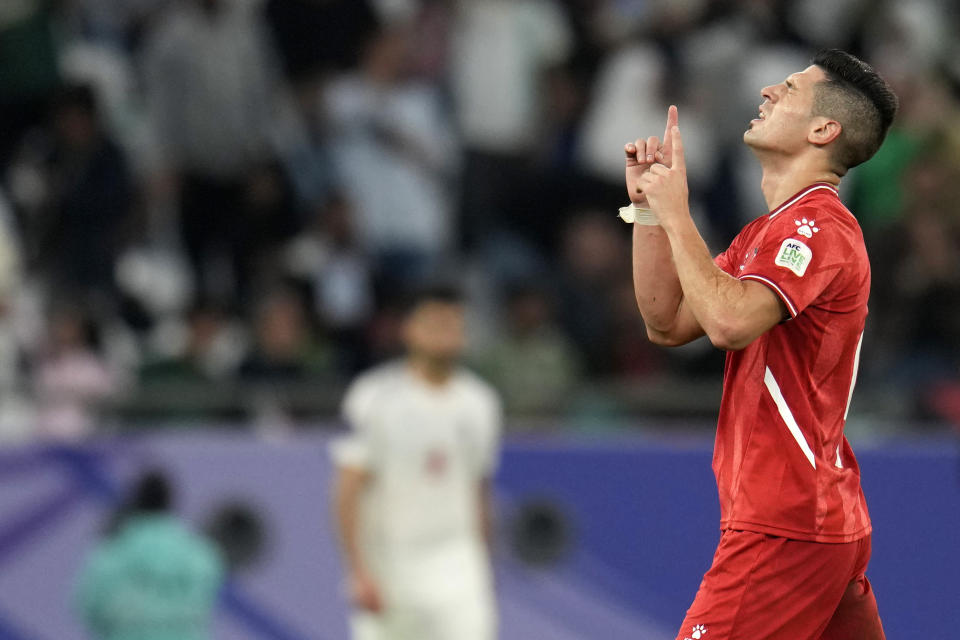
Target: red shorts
pixel 763 587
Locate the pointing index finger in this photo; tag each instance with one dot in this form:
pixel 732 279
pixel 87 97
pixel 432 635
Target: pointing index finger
pixel 673 120
pixel 677 148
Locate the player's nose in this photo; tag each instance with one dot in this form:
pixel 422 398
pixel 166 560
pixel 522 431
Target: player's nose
pixel 769 92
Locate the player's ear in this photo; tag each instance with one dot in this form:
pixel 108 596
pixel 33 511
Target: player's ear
pixel 823 131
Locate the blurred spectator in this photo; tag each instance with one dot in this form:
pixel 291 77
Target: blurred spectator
pixel 319 36
pixel 595 259
pixel 635 356
pixel 72 376
pixel 880 188
pixel 15 415
pixel 501 52
pixel 151 577
pixel 113 24
pixel 28 70
pixel 340 275
pixel 534 365
pixel 629 92
pixel 270 220
pixel 307 157
pixel 11 279
pixel 213 94
pixel 918 305
pixel 284 350
pixel 395 155
pixel 74 188
pixel 200 361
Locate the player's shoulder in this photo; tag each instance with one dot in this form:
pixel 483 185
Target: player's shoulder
pixel 820 217
pixel 376 380
pixel 474 385
pixel 825 200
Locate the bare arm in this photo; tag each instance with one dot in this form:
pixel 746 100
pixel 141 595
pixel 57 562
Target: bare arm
pixel 657 285
pixel 732 313
pixel 348 489
pixel 656 282
pixel 486 510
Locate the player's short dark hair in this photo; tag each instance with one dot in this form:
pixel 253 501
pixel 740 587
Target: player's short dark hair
pixel 859 99
pixel 442 292
pixel 151 494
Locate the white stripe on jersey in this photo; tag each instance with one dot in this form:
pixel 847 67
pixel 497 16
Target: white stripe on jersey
pixel 853 380
pixel 787 415
pixel 786 299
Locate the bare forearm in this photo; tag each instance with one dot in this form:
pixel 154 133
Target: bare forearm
pixel 732 313
pixel 717 300
pixel 655 280
pixel 486 512
pixel 346 507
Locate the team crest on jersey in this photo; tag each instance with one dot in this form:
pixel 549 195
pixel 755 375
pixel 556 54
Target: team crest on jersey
pixel 436 463
pixel 697 632
pixel 794 255
pixel 806 228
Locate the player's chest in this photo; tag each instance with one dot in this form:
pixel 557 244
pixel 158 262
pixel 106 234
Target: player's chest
pixel 430 439
pixel 748 246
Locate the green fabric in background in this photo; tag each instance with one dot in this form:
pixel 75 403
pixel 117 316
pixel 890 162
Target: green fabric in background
pixel 878 198
pixel 153 580
pixel 28 58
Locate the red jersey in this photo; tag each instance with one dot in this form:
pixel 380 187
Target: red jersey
pixel 782 463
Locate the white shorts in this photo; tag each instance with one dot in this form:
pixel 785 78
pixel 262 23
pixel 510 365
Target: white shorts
pixel 441 596
pixel 468 620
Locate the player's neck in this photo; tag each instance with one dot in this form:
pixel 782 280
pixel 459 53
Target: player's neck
pixel 784 179
pixel 435 373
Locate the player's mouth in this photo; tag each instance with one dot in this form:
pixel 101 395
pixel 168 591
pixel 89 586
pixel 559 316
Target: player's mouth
pixel 760 117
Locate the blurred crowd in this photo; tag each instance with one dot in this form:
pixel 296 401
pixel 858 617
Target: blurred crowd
pixel 209 209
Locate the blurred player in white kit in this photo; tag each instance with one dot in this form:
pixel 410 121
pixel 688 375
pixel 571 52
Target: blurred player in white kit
pixel 412 497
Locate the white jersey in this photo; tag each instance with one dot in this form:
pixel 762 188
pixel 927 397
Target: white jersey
pixel 427 449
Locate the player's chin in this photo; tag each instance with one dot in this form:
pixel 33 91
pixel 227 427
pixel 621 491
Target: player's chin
pixel 752 136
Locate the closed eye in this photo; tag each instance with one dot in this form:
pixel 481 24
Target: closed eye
pixel 789 84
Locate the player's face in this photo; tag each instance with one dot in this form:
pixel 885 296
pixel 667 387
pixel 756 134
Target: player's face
pixel 436 330
pixel 786 113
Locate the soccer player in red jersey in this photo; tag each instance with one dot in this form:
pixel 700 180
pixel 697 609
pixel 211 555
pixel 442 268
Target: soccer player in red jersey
pixel 788 301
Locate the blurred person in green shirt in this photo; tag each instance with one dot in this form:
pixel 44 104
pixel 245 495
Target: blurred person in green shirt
pixel 151 578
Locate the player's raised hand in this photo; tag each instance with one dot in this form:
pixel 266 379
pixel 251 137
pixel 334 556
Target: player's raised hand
pixel 643 153
pixel 665 187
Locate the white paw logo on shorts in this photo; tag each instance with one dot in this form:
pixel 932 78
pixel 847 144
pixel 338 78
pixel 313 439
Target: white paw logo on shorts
pixel 698 632
pixel 806 227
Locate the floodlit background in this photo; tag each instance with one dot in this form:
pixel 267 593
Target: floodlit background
pixel 208 209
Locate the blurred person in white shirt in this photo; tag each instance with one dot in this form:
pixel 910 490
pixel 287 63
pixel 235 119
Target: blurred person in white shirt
pixel 217 108
pixel 501 53
pixel 387 123
pixel 412 496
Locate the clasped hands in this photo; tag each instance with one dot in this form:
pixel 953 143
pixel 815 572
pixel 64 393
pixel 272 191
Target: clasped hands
pixel 656 173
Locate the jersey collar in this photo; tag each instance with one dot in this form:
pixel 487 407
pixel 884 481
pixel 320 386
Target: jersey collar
pixel 816 186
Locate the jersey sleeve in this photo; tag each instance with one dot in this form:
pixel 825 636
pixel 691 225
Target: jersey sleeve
pixel 727 261
pixel 724 262
pixel 800 257
pixel 356 448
